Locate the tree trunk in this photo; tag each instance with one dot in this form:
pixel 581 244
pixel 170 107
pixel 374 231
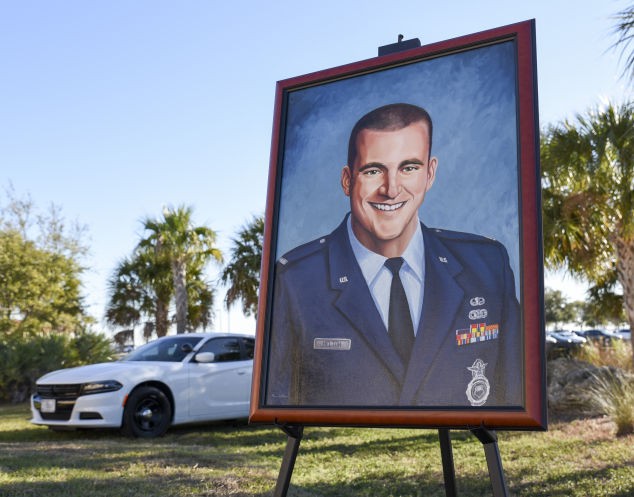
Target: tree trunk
pixel 180 295
pixel 625 271
pixel 162 320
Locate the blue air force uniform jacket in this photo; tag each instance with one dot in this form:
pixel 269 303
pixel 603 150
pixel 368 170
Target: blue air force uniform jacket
pixel 329 346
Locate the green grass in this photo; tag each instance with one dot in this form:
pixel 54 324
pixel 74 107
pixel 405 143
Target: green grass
pixel 580 458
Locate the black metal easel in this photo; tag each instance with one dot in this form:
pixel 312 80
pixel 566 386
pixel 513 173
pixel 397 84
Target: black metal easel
pixel 487 437
pixel 494 462
pixel 492 453
pixel 295 434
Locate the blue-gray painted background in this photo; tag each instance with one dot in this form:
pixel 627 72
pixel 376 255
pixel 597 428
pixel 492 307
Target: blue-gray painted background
pixel 471 97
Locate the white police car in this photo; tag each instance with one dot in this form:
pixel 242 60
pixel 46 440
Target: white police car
pixel 173 380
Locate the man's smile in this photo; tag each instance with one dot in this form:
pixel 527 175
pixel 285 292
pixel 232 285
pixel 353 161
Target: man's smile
pixel 387 207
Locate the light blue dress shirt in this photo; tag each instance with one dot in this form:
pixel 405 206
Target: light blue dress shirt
pixel 379 278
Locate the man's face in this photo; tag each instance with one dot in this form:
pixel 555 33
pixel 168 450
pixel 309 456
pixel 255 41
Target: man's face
pixel 387 184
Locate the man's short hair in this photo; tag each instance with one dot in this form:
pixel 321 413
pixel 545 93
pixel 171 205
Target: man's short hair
pixel 390 117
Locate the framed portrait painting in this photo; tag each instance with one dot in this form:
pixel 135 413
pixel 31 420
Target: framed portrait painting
pixel 401 280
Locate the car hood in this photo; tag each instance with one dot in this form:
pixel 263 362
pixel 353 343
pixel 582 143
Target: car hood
pixel 120 370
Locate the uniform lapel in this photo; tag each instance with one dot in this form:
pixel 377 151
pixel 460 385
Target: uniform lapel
pixel 441 302
pixel 355 302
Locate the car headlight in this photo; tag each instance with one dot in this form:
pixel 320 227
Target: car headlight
pixel 100 387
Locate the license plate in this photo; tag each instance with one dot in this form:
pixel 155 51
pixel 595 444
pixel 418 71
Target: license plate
pixel 48 405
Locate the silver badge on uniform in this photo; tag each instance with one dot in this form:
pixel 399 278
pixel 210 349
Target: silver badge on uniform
pixel 478 314
pixel 477 301
pixel 478 388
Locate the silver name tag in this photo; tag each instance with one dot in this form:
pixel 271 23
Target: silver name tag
pixel 332 344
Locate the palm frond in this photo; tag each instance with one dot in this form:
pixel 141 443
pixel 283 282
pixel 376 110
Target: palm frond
pixel 624 29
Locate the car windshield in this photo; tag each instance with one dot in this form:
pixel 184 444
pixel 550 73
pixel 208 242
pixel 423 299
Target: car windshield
pixel 172 349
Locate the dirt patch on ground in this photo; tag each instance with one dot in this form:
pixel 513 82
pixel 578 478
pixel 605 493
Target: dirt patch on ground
pixel 588 429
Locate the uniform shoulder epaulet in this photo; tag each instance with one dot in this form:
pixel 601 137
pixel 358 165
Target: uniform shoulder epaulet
pixel 302 251
pixel 461 236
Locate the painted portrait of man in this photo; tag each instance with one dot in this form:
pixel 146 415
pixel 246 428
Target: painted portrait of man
pixel 385 311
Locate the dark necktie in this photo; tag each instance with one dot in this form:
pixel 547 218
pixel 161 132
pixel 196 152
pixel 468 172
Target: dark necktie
pixel 399 327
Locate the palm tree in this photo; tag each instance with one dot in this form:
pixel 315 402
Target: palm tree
pixel 200 301
pixel 175 239
pixel 243 271
pixel 588 199
pixel 127 295
pixel 142 286
pixel 140 289
pixel 625 30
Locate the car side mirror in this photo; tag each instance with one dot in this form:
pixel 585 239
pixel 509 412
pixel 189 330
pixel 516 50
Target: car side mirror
pixel 205 357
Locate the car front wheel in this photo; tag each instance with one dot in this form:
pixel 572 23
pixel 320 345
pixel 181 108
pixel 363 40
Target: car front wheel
pixel 147 413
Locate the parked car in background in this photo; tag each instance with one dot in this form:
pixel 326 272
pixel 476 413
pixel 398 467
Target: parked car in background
pixel 562 342
pixel 603 337
pixel 569 337
pixel 173 380
pixel 625 334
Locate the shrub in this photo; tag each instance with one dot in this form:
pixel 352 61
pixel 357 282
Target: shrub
pixel 618 354
pixel 25 359
pixel 91 348
pixel 613 394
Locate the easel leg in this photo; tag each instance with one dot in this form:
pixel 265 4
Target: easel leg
pixel 288 463
pixel 448 471
pixel 494 461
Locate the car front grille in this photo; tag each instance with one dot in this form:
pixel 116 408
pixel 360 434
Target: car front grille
pixel 59 391
pixel 65 397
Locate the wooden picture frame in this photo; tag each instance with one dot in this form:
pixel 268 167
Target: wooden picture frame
pixel 481 93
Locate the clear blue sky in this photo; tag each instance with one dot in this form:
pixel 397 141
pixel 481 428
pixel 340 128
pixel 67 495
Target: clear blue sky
pixel 116 108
